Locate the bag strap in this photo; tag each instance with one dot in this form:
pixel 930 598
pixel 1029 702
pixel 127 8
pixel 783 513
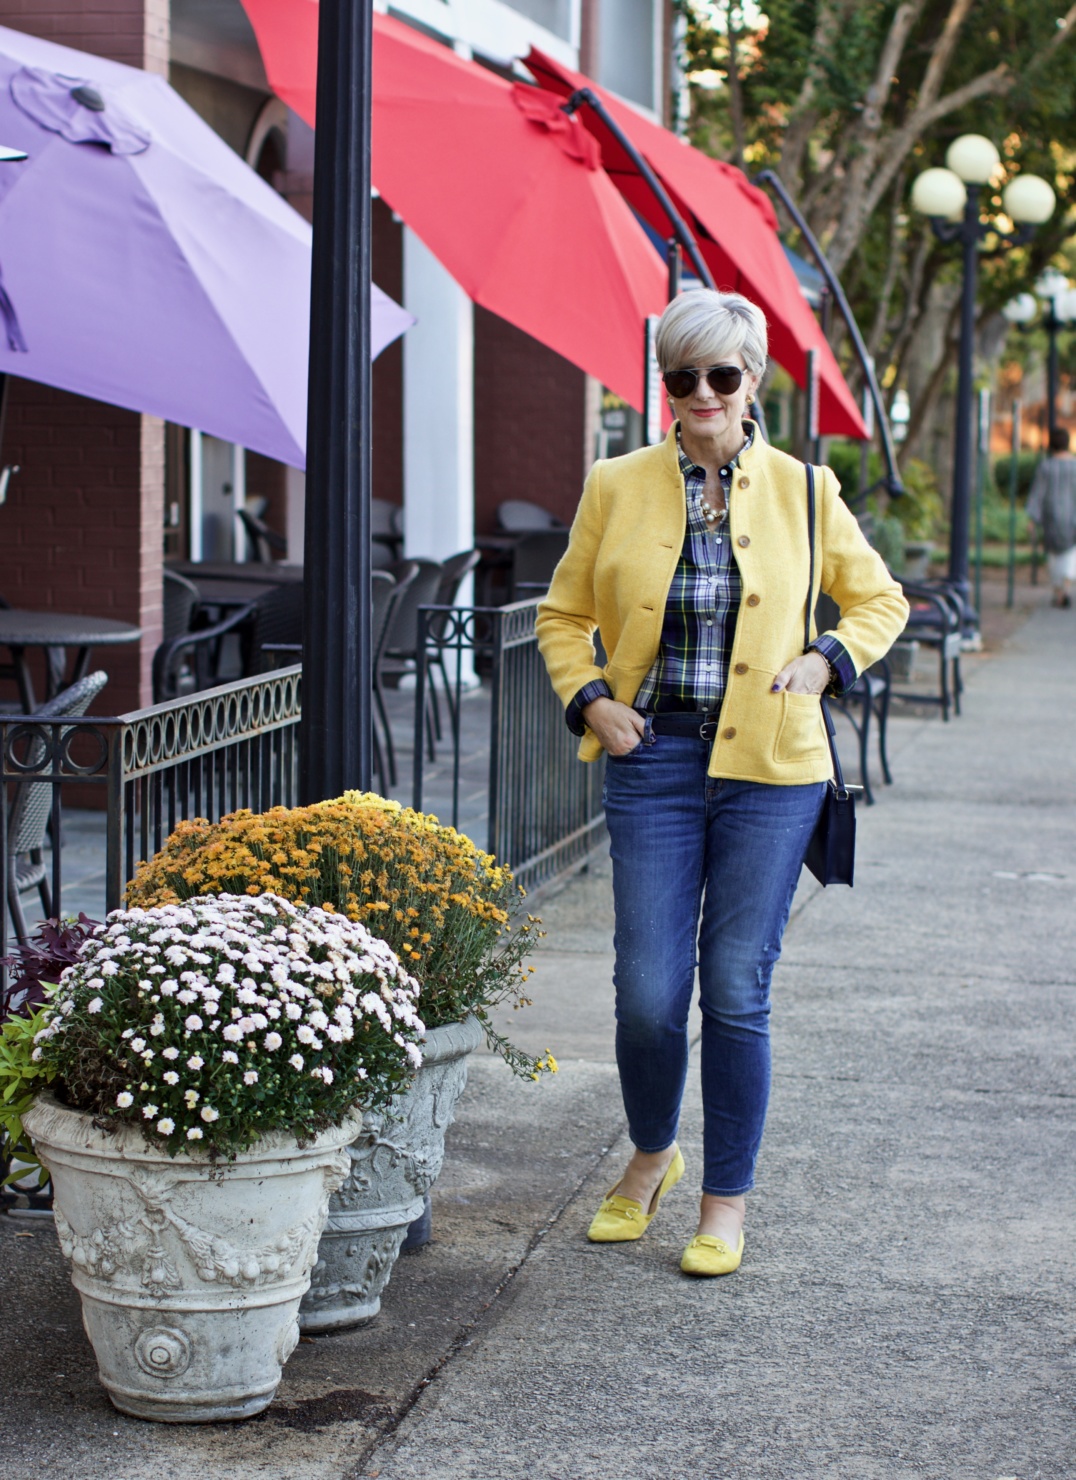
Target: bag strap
pixel 831 734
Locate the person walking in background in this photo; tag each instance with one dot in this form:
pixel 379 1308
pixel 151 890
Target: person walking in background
pixel 1051 505
pixel 692 559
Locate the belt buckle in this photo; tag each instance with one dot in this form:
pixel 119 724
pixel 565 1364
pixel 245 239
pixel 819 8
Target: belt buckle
pixel 708 728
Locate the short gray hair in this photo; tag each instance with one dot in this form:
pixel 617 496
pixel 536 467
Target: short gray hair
pixel 702 327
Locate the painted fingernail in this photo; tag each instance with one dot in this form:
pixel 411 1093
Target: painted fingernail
pixel 776 689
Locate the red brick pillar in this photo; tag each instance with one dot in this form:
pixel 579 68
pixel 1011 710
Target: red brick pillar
pixel 82 529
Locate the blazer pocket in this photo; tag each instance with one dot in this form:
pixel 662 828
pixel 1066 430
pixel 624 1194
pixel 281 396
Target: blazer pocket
pixel 800 729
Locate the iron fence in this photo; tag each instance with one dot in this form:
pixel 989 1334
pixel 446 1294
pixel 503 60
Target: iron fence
pixel 202 756
pixel 544 808
pixel 238 746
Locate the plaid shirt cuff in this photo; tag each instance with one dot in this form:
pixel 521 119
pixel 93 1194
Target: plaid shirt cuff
pixel 573 715
pixel 844 670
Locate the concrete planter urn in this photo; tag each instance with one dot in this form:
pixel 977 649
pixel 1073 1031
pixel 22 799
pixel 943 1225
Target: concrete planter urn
pixel 394 1163
pixel 190 1272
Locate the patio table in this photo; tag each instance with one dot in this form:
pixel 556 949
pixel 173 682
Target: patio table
pixel 20 630
pixel 227 585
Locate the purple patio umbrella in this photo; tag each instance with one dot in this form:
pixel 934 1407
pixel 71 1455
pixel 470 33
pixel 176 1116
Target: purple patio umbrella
pixel 143 263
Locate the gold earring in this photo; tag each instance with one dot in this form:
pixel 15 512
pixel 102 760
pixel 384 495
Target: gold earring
pixel 750 400
pixel 669 403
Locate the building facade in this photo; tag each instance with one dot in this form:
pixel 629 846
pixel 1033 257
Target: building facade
pixel 468 410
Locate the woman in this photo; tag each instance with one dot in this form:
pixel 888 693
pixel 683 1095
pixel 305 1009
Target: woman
pixel 1052 504
pixel 692 558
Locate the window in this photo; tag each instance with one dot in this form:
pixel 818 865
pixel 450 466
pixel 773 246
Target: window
pixel 554 15
pixel 626 62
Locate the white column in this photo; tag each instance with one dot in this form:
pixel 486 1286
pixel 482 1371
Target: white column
pixel 438 354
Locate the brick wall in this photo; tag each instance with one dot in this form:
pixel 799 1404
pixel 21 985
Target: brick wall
pixel 109 28
pixel 82 527
pixel 529 423
pixel 72 536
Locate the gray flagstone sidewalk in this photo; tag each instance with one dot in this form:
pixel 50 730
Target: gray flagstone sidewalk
pixel 904 1308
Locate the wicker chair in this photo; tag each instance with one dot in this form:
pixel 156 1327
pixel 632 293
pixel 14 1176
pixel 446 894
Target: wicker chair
pixel 31 806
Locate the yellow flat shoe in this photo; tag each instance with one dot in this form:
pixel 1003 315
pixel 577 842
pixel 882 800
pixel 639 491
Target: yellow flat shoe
pixel 621 1219
pixel 707 1255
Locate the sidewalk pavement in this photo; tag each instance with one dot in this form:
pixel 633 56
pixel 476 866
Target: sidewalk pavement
pixel 904 1305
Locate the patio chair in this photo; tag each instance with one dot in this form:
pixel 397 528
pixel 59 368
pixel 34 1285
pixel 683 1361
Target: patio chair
pixel 390 589
pixel 535 560
pixel 867 699
pixel 180 604
pixel 266 545
pixel 276 622
pixel 454 570
pixel 386 527
pixel 30 811
pixel 189 663
pixel 401 644
pixel 520 516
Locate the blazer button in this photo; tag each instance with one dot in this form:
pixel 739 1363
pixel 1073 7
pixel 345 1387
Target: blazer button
pixel 753 600
pixel 729 734
pixel 740 668
pixel 743 541
pixel 745 483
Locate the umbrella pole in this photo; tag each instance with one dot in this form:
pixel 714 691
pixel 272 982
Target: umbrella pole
pixel 680 229
pixel 336 744
pixel 833 282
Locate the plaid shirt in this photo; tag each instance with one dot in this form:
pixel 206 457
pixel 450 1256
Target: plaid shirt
pixel 692 664
pixel 691 668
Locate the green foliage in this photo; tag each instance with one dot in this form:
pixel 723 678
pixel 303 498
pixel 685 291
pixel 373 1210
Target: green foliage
pixel 844 457
pixel 996 511
pixel 211 1023
pixel 812 101
pixel 1026 463
pixel 887 537
pixel 920 509
pixel 21 1076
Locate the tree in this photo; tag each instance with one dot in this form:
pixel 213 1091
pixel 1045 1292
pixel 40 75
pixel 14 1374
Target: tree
pixel 849 99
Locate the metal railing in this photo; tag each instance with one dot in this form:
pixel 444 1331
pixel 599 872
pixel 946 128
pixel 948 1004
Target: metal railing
pixel 202 756
pixel 238 746
pixel 544 808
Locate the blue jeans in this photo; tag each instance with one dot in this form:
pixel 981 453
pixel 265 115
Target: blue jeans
pixel 684 842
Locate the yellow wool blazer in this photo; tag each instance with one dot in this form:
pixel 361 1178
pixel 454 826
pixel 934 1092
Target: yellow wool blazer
pixel 616 573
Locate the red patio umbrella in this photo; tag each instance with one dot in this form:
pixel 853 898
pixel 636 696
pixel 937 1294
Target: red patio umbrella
pixel 736 229
pixel 505 190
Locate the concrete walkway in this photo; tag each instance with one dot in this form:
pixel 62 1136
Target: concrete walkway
pixel 904 1306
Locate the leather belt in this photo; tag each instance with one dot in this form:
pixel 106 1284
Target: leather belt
pixel 699 725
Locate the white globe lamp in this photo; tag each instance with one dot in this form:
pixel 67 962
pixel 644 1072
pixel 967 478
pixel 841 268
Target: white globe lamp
pixel 1029 200
pixel 973 158
pixel 939 192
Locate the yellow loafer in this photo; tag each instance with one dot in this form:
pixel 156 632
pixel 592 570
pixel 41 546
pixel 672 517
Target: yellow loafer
pixel 707 1255
pixel 621 1219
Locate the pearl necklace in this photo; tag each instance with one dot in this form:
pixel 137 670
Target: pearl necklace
pixel 711 514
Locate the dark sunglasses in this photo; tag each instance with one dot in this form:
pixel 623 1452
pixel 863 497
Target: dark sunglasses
pixel 724 379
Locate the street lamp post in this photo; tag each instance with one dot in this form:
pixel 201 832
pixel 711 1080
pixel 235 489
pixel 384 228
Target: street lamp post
pixel 1059 297
pixel 336 741
pixel 951 197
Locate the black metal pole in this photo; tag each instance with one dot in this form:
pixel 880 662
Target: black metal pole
pixel 676 221
pixel 833 282
pixel 1014 476
pixel 674 258
pixel 1052 325
pixel 336 746
pixel 960 510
